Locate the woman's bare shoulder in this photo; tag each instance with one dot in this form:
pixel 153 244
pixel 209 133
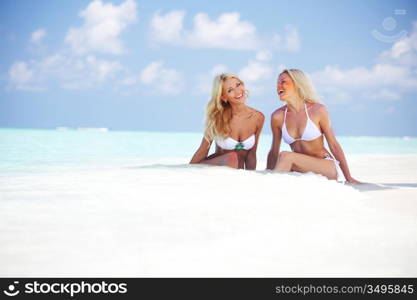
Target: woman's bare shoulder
pixel 256 113
pixel 318 109
pixel 315 106
pixel 278 113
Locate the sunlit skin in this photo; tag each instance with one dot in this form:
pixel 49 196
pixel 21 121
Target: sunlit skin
pixel 245 122
pixel 307 156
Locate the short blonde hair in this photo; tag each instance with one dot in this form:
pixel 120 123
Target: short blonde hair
pixel 303 85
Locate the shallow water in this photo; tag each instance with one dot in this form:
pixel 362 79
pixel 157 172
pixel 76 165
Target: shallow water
pixel 31 150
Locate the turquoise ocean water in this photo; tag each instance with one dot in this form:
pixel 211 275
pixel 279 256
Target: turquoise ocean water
pixel 36 150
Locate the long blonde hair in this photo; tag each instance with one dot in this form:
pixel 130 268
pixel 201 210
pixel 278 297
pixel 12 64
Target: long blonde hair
pixel 303 85
pixel 218 112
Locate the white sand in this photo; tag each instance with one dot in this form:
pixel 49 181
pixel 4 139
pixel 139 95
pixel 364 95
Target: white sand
pixel 205 221
pixel 392 181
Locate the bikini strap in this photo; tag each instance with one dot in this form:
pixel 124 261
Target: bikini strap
pixel 285 114
pixel 305 108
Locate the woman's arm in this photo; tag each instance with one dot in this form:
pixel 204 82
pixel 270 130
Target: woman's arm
pixel 201 152
pixel 250 161
pixel 334 145
pixel 276 141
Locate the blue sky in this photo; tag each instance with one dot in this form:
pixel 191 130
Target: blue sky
pixel 148 65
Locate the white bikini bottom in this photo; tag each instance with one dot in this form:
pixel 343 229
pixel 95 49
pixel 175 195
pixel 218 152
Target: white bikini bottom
pixel 340 177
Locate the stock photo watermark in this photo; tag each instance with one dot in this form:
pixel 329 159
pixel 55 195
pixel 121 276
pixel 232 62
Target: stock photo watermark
pixel 389 24
pixel 71 289
pixel 12 289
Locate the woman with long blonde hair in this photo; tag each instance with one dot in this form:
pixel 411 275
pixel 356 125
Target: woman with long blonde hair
pixel 302 123
pixel 234 126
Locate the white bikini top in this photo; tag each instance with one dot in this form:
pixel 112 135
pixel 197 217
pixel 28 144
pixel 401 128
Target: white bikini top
pixel 311 132
pixel 232 144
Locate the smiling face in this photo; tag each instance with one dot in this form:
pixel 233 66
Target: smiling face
pixel 233 91
pixel 285 87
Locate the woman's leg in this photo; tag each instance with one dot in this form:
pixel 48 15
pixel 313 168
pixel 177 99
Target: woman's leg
pixel 229 159
pixel 291 161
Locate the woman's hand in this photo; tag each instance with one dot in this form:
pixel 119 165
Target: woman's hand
pixel 353 181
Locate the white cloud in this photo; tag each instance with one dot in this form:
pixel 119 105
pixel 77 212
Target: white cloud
pixel 279 69
pixel 78 68
pixel 205 81
pixel 103 24
pixel 255 71
pixel 258 75
pixel 38 35
pixel 65 71
pixel 384 93
pixel 82 73
pixel 164 80
pixel 167 28
pixel 403 51
pixel 21 77
pixel 387 75
pixel 20 73
pixel 151 72
pixel 86 72
pixel 156 78
pixel 129 81
pixel 292 39
pixel 382 81
pixel 102 69
pixel 263 55
pixel 217 70
pixel 393 75
pixel 227 31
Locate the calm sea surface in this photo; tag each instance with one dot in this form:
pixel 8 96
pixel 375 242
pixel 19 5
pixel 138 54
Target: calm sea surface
pixel 34 150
